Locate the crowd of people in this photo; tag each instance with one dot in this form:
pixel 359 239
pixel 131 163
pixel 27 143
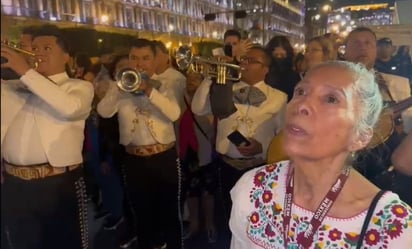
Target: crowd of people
pixel 181 154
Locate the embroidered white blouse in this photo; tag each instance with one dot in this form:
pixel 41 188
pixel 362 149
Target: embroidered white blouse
pixel 256 218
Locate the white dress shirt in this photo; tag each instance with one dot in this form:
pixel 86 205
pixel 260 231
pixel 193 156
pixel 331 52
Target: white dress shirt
pixel 258 122
pixel 45 122
pixel 176 81
pixel 143 120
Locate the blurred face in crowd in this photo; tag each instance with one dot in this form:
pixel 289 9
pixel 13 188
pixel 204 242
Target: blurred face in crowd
pixel 25 42
pixel 385 51
pixel 361 48
pixel 103 86
pixel 51 56
pixel 322 101
pixel 313 54
pixel 233 41
pixel 279 53
pixel 143 60
pixel 193 81
pixel 253 66
pixel 120 65
pixel 162 60
pixel 106 59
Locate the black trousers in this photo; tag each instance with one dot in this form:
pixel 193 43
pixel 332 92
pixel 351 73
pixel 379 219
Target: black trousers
pixel 46 213
pixel 153 187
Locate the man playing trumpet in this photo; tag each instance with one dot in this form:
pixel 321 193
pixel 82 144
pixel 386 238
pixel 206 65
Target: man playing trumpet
pixel 42 122
pixel 256 116
pixel 152 172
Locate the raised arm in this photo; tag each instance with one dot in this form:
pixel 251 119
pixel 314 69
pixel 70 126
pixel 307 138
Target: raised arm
pixel 201 101
pixel 166 100
pixel 108 106
pixel 72 101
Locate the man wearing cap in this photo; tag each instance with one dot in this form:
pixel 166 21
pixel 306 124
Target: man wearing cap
pixel 385 62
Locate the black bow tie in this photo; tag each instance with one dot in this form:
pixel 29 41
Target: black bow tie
pixel 249 95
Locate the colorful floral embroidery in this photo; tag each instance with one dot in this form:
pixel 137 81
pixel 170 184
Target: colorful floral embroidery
pixel 265 221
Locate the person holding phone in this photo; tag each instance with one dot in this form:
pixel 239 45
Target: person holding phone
pixel 243 137
pixel 235 47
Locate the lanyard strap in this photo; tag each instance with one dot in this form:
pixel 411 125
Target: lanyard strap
pixel 320 212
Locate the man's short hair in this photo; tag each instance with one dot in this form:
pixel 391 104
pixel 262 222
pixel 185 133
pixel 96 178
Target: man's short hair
pixel 231 32
pixel 160 45
pixel 53 30
pixel 267 58
pixel 143 43
pixel 29 30
pixel 360 29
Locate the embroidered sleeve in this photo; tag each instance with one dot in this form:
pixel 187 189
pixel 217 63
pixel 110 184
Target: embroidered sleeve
pixel 264 221
pixel 390 227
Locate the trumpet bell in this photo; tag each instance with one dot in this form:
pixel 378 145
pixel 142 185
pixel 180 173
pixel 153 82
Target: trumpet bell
pixel 184 57
pixel 208 67
pixel 129 80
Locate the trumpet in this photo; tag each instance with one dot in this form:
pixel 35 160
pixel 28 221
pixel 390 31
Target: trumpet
pixel 9 74
pixel 213 67
pixel 129 80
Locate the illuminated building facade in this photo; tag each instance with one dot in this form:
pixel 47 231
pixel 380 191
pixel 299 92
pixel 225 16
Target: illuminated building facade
pixel 267 18
pixel 183 18
pixel 344 19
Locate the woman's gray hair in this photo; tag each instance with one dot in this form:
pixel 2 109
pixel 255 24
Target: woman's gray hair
pixel 369 100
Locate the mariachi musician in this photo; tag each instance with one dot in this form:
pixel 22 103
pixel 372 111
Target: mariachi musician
pixel 42 124
pixel 152 172
pixel 373 163
pixel 243 135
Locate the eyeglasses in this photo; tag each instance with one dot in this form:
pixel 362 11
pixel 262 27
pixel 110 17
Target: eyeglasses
pixel 250 60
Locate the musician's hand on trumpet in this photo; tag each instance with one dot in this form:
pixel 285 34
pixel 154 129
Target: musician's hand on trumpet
pixel 145 86
pixel 14 60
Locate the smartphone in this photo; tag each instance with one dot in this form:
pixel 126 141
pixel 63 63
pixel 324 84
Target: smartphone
pixel 238 139
pixel 228 50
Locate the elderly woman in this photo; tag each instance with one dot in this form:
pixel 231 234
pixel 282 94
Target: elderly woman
pixel 316 200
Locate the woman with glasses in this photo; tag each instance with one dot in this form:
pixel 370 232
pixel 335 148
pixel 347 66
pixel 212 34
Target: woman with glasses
pixel 318 50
